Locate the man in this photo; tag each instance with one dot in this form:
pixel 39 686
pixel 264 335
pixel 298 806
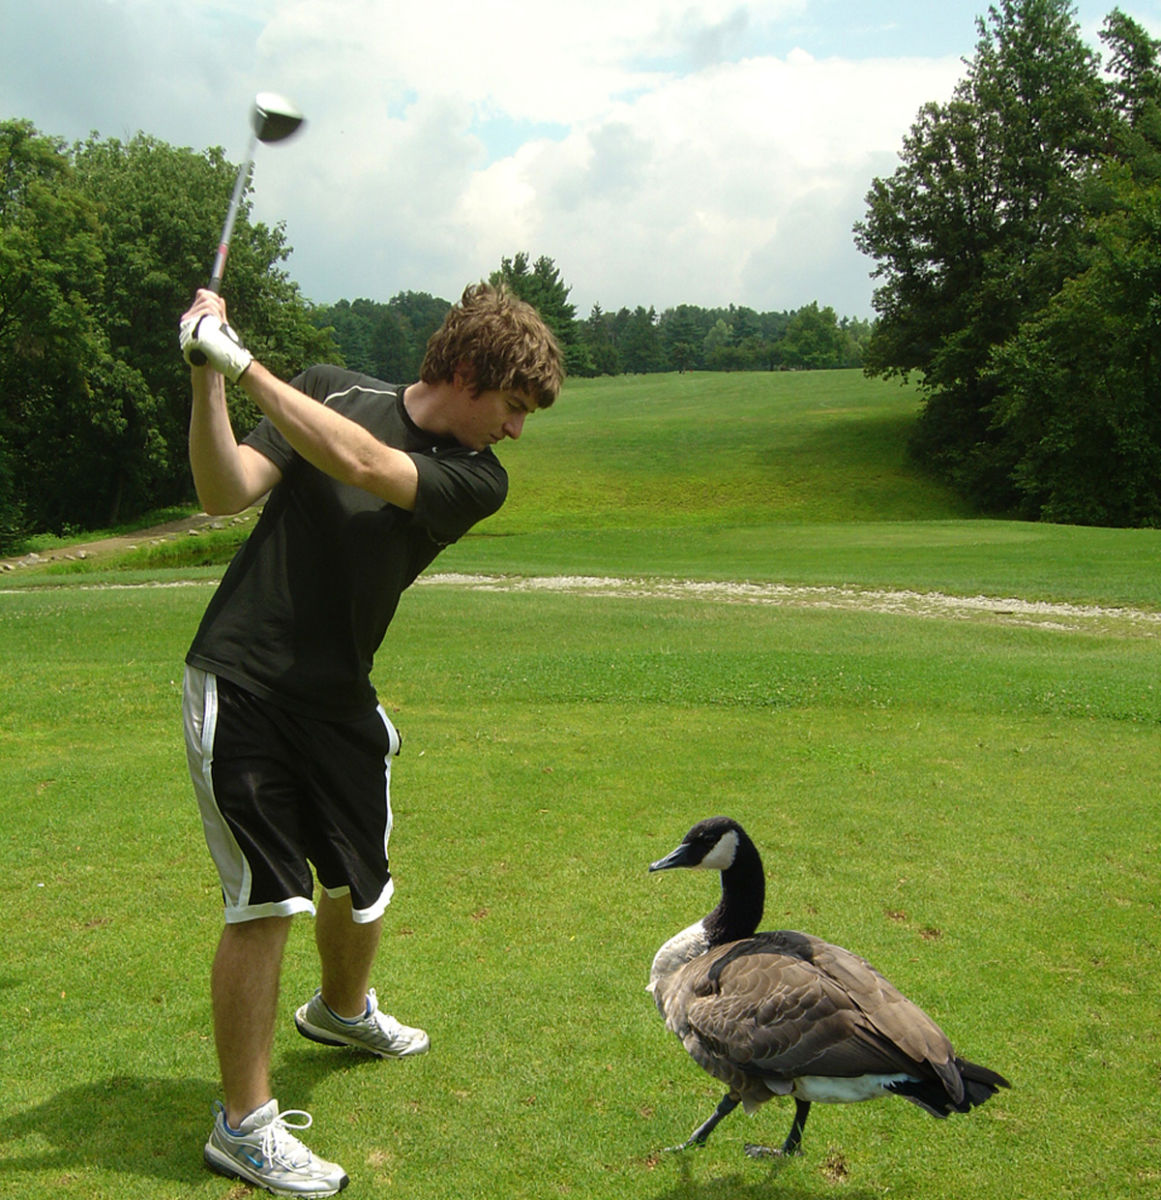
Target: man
pixel 288 748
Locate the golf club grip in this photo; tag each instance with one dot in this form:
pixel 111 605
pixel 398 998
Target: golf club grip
pixel 196 357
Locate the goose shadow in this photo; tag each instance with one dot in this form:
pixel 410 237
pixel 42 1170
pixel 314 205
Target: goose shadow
pixel 134 1126
pixel 755 1182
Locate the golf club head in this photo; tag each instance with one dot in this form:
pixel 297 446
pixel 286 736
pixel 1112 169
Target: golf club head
pixel 274 117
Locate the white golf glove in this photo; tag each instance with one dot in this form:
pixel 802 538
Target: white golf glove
pixel 207 341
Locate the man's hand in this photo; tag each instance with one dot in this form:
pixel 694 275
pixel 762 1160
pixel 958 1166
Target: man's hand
pixel 206 338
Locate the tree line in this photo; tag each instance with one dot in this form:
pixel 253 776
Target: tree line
pixel 102 244
pixel 386 340
pixel 1017 252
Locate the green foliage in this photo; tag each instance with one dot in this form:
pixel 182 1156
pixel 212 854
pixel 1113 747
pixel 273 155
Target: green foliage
pixel 979 228
pixel 51 339
pixel 639 341
pixel 541 286
pixel 815 340
pixel 385 341
pixel 737 338
pixel 101 248
pixel 1078 383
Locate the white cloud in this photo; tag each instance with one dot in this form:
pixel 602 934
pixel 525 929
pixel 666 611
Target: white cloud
pixel 678 152
pixel 738 182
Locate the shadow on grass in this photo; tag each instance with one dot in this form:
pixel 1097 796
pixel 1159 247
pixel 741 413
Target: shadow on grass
pixel 154 1128
pixel 797 1179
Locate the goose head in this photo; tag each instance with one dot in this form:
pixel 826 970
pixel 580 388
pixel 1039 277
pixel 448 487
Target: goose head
pixel 711 845
pixel 717 844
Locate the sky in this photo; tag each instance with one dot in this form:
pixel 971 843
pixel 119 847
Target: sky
pixel 661 152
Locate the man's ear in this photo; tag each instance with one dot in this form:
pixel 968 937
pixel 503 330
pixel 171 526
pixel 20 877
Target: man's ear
pixel 465 377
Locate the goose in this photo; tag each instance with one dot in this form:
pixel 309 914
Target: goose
pixel 787 1014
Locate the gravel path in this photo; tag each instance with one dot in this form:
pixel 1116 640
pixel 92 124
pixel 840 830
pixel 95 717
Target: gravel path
pixel 1129 622
pixel 1006 610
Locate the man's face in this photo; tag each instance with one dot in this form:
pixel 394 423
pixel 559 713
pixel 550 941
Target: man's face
pixel 488 417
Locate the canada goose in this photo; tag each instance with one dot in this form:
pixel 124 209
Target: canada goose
pixel 787 1014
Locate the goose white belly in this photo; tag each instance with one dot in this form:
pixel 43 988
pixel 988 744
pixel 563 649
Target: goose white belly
pixel 822 1089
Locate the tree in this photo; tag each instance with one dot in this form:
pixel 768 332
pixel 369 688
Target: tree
pixel 51 339
pixel 814 340
pixel 421 314
pixel 682 337
pixel 160 210
pixel 715 344
pixel 101 248
pixel 598 336
pixel 1077 385
pixel 543 288
pixel 981 225
pixel 385 341
pixel 640 345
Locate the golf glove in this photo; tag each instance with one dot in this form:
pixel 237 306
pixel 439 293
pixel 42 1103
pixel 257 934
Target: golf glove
pixel 206 340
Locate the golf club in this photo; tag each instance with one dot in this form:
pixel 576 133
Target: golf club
pixel 272 119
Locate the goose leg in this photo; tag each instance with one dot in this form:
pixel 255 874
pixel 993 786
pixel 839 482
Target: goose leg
pixel 697 1139
pixel 793 1138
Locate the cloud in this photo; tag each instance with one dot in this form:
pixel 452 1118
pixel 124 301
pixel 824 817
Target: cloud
pixel 659 153
pixel 736 182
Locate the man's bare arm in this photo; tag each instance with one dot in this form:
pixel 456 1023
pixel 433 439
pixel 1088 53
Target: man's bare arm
pixel 336 445
pixel 229 477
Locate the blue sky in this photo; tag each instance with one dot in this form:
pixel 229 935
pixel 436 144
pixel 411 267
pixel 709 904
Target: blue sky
pixel 703 151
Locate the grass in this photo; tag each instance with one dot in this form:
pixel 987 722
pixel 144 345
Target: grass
pixel 970 803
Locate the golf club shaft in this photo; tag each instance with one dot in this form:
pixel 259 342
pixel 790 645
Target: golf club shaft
pixel 215 285
pixel 232 215
pixel 273 119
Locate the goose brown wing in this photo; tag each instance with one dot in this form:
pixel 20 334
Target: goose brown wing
pixel 787 1004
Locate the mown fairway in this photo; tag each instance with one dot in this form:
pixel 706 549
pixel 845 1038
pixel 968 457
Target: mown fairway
pixel 966 796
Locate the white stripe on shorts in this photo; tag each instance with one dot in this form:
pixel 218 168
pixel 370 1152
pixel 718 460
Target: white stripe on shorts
pixel 200 718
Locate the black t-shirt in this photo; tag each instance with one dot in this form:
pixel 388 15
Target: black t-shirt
pixel 306 602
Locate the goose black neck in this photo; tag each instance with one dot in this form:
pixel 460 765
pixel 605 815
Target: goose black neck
pixel 739 912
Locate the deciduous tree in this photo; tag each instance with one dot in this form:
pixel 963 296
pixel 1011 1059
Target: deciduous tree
pixel 981 225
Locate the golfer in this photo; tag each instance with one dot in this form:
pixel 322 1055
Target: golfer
pixel 289 750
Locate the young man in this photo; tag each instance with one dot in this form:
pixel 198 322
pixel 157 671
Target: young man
pixel 289 750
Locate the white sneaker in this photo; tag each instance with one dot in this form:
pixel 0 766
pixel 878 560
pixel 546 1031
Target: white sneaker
pixel 375 1031
pixel 265 1153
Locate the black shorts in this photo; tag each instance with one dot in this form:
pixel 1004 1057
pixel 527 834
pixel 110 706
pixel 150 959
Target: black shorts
pixel 279 793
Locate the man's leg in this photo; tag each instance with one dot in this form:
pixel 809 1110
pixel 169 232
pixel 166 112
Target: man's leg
pixel 345 1011
pixel 244 985
pixel 347 953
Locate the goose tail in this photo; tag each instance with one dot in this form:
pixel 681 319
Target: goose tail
pixel 979 1084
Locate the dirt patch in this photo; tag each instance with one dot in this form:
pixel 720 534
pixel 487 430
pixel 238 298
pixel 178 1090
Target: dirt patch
pixel 1007 610
pixel 1003 610
pixel 80 551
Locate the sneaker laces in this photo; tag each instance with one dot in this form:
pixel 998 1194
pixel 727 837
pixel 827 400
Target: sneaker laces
pixel 278 1143
pixel 374 1015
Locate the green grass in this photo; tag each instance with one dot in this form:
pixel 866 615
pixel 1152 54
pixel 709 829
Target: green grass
pixel 970 803
pixel 703 449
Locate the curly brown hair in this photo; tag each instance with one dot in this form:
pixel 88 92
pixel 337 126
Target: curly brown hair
pixel 501 341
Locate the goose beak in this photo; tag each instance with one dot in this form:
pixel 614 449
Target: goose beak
pixel 676 858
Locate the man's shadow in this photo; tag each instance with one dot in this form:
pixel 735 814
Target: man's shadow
pixel 145 1127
